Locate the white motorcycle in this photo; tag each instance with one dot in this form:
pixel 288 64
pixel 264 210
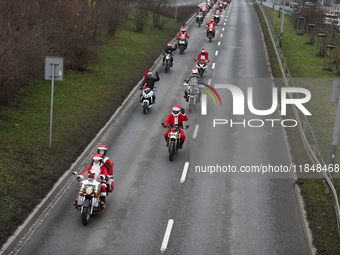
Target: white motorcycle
pixel 147 99
pixel 181 45
pixel 193 93
pixel 201 66
pixel 168 60
pixel 217 18
pixel 88 201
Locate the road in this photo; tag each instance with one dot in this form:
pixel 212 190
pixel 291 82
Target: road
pixel 221 213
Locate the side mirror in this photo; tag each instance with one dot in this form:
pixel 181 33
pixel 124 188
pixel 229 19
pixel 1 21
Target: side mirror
pixel 74 173
pixel 187 126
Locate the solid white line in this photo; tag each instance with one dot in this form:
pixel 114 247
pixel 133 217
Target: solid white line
pixel 216 53
pixel 223 29
pixel 186 167
pixel 213 66
pixel 221 35
pixel 209 81
pixel 195 131
pixel 219 43
pixel 167 235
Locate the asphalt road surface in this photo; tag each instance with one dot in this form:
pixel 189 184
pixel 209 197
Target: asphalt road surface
pixel 158 207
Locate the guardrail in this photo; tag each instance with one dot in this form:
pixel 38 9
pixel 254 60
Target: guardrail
pixel 288 81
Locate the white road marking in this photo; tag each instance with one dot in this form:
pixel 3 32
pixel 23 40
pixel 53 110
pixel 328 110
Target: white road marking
pixel 221 35
pixel 204 104
pixel 213 66
pixel 167 235
pixel 223 29
pixel 224 24
pixel 195 131
pixel 219 43
pixel 186 165
pixel 209 81
pixel 216 53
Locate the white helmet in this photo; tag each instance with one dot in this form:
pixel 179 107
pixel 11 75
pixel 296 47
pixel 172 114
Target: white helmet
pixel 194 71
pixel 176 110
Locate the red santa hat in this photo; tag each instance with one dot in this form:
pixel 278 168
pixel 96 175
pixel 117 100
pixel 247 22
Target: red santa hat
pixel 97 157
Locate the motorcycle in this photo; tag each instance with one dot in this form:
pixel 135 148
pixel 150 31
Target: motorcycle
pixel 181 45
pixel 168 61
pixel 201 66
pixel 210 34
pixel 193 93
pixel 147 99
pixel 217 18
pixel 199 19
pixel 225 5
pixel 88 201
pixel 221 6
pixel 174 140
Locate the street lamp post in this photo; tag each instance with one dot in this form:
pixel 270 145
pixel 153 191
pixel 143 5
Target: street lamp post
pixel 282 21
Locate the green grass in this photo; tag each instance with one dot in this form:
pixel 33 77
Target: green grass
pixel 303 63
pixel 83 102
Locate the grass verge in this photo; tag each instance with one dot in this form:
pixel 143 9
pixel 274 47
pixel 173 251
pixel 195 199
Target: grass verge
pixel 83 103
pixel 302 63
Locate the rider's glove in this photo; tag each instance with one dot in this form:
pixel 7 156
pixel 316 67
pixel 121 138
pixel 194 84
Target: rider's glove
pixel 157 74
pixel 182 110
pixel 102 177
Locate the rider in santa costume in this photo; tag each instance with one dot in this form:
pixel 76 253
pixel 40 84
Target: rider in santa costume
pixel 102 149
pixel 176 118
pixel 97 170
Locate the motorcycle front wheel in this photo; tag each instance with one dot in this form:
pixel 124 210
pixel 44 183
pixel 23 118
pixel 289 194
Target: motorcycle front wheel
pixel 145 108
pixel 191 104
pixel 181 49
pixel 171 150
pixel 166 67
pixel 85 217
pixel 210 37
pixel 201 72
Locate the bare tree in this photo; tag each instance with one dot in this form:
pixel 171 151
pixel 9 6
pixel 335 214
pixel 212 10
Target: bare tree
pixel 141 14
pixel 161 13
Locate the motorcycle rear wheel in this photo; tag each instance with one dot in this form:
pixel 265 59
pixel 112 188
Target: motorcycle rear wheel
pixel 85 216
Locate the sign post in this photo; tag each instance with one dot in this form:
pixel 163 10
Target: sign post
pixel 53 71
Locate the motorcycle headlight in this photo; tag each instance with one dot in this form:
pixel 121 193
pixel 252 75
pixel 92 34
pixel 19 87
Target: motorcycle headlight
pixel 167 57
pixel 89 190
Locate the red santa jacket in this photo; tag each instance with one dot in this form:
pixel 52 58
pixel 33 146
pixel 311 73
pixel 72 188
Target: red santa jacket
pixel 183 36
pixel 211 24
pixel 205 56
pixel 172 120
